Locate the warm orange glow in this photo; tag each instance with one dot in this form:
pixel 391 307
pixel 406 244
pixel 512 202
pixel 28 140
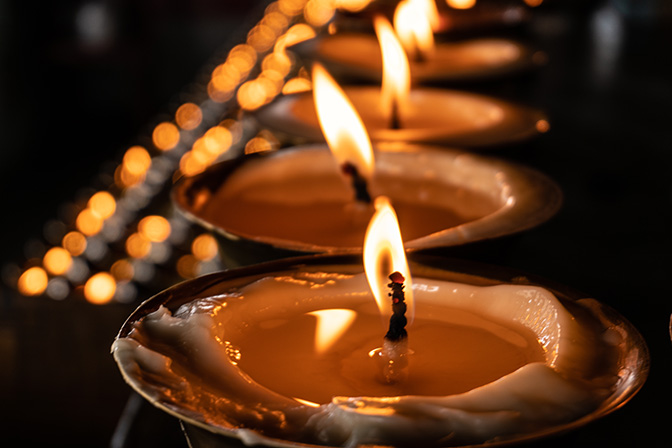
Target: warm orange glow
pixel 137 245
pixel 318 12
pixel 88 222
pixel 226 76
pixel 33 281
pixel 57 261
pixel 291 7
pixel 188 116
pixel 278 61
pixel 100 288
pixel 261 38
pixel 396 71
pixel 297 33
pixel 352 5
pixel 136 160
pixel 103 204
pixel 251 95
pixel 217 140
pixel 296 85
pixel 543 126
pixel 204 247
pixel 276 20
pixel 165 136
pixel 191 163
pixel 384 254
pixel 331 324
pixel 341 124
pixel 461 4
pixel 534 3
pixel 414 29
pixel 155 228
pixel 258 144
pixel 187 266
pixel 122 270
pixel 75 243
pixel 124 178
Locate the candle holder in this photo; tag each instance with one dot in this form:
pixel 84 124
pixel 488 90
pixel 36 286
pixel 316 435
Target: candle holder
pixel 434 116
pixel 599 348
pixel 296 200
pixel 470 60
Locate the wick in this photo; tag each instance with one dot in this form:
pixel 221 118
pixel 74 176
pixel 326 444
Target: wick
pixel 397 329
pixel 392 357
pixel 358 183
pixel 395 123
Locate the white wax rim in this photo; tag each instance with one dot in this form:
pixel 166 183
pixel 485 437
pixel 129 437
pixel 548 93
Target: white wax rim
pixel 182 364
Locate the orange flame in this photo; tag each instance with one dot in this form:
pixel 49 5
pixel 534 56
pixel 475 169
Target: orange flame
pixel 331 324
pixel 384 254
pixel 396 71
pixel 341 124
pixel 413 27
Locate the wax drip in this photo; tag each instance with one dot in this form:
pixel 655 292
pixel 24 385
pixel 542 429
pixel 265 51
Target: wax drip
pixel 392 357
pixel 358 182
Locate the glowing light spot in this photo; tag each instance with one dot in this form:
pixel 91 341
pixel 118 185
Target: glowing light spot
pixel 102 204
pixel 318 12
pixel 88 222
pixel 217 140
pixel 191 164
pixel 258 144
pixel 75 243
pixel 352 5
pixel 543 126
pixel 227 76
pixel 461 4
pixel 278 62
pixel 165 136
pixel 261 38
pixel 297 85
pixel 136 160
pixel 122 270
pixel 219 96
pixel 331 324
pixel 100 288
pixel 33 281
pixel 138 246
pixel 204 247
pixel 188 116
pixel 57 261
pixel 187 266
pixel 243 57
pixel 276 20
pixel 155 228
pixel 533 3
pixel 251 95
pixel 291 7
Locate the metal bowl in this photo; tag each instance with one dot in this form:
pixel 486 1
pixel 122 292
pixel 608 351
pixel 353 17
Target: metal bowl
pixel 631 360
pixel 521 198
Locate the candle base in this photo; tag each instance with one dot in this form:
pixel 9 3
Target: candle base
pixel 392 361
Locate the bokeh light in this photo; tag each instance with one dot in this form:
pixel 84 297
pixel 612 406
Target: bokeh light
pixel 155 228
pixel 102 204
pixel 74 242
pixel 204 247
pixel 57 261
pixel 88 222
pixel 165 136
pixel 188 116
pixel 100 288
pixel 33 281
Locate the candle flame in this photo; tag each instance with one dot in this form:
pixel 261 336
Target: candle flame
pixel 384 254
pixel 396 71
pixel 341 124
pixel 331 324
pixel 413 26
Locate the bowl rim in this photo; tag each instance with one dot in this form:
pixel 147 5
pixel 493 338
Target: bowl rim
pixel 478 273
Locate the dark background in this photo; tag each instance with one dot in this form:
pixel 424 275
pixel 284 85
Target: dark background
pixel 68 104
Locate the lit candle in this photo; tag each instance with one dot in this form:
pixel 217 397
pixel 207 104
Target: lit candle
pixel 396 112
pixel 298 199
pixel 233 352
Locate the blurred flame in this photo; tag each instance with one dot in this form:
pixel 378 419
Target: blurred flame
pixel 342 126
pixel 33 281
pixel 384 254
pixel 331 324
pixel 100 288
pixel 57 261
pixel 413 27
pixel 461 4
pixel 165 136
pixel 188 116
pixel 396 71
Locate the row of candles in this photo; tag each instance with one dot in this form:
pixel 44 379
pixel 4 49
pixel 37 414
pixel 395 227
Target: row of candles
pixel 460 359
